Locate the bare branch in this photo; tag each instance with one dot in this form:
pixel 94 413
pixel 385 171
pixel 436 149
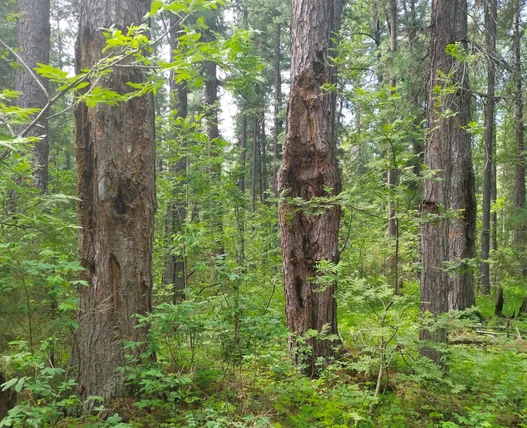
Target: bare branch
pixel 26 67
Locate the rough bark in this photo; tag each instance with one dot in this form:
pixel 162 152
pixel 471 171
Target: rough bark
pixel 116 187
pixel 491 14
pixel 449 204
pixel 308 169
pixel 33 39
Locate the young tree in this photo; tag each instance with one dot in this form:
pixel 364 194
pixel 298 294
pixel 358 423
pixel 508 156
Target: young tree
pixel 115 164
pixel 309 170
pixel 449 203
pixel 33 39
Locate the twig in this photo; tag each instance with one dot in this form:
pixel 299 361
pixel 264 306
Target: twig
pixel 26 67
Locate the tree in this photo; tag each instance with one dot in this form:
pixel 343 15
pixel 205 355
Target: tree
pixel 308 171
pixel 175 265
pixel 519 190
pixel 449 203
pixel 115 165
pixel 491 15
pixel 33 35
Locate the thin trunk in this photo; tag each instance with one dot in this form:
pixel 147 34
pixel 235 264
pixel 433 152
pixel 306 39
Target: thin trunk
pixel 491 13
pixel 175 263
pixel 391 176
pixel 255 159
pixel 116 188
pixel 264 185
pixel 308 170
pixel 213 132
pixel 519 199
pixel 278 124
pixel 33 35
pixel 449 204
pixel 243 153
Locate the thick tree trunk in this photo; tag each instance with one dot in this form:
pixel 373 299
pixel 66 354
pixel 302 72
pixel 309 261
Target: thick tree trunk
pixel 519 190
pixel 491 14
pixel 116 187
pixel 278 124
pixel 308 169
pixel 449 204
pixel 33 35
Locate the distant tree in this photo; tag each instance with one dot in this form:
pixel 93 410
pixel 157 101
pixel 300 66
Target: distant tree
pixel 491 16
pixel 33 41
pixel 116 188
pixel 309 170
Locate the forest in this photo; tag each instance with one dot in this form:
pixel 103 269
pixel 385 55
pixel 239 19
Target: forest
pixel 263 213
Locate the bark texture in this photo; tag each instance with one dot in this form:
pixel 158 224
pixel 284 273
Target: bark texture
pixel 308 170
pixel 449 204
pixel 33 39
pixel 116 186
pixel 491 15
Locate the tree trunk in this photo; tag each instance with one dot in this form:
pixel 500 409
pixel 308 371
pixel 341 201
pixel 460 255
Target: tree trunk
pixel 491 14
pixel 308 170
pixel 255 159
pixel 278 124
pixel 264 184
pixel 116 187
pixel 33 35
pixel 519 191
pixel 175 264
pixel 243 153
pixel 449 205
pixel 392 175
pixel 213 131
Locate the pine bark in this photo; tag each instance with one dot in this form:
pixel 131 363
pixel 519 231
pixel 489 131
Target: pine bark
pixel 116 187
pixel 33 39
pixel 308 170
pixel 449 203
pixel 491 14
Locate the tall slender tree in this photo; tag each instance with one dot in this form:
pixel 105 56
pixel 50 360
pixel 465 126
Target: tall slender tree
pixel 519 190
pixel 449 204
pixel 491 15
pixel 33 35
pixel 115 167
pixel 309 170
pixel 175 264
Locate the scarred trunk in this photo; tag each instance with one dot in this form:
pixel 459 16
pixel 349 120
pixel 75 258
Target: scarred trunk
pixel 449 204
pixel 33 39
pixel 308 170
pixel 116 187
